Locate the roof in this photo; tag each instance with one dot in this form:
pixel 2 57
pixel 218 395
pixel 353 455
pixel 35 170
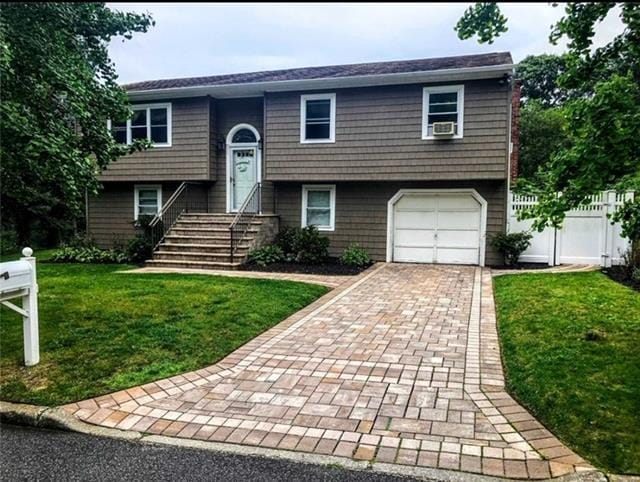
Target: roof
pixel 329 72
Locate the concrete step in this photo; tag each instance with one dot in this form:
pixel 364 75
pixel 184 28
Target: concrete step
pixel 183 224
pixel 192 264
pixel 201 240
pixel 202 248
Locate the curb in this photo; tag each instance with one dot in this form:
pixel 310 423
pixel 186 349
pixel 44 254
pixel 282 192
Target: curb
pixel 57 419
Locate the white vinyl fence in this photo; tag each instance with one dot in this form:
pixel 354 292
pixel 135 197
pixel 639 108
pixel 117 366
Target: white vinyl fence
pixel 587 235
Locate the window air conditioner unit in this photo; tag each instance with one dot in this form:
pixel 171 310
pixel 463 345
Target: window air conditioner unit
pixel 443 129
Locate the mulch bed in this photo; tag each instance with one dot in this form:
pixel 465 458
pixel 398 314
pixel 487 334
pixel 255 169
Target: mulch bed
pixel 521 266
pixel 620 274
pixel 332 268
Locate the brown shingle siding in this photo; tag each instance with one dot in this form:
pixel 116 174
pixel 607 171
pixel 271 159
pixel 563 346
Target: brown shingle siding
pixel 188 158
pixel 379 137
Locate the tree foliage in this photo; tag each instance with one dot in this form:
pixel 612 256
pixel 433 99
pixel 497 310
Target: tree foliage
pixel 58 90
pixel 603 119
pixel 538 75
pixel 483 19
pixel 542 134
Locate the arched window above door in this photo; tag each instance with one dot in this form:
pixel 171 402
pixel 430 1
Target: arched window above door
pixel 243 135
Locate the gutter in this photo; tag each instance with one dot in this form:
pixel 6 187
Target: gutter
pixel 258 88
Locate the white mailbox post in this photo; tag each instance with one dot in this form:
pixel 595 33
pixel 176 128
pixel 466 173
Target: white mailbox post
pixel 18 280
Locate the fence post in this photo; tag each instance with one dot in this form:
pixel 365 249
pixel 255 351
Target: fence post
pixel 30 322
pixel 609 200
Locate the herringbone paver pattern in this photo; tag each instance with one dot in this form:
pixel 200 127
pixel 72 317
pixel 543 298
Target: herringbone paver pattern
pixel 401 365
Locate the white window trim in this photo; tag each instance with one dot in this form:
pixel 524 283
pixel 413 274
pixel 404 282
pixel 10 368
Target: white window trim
pixel 303 118
pixel 459 89
pixel 136 197
pixel 332 204
pixel 148 107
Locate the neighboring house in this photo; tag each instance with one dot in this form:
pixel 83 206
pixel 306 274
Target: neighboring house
pixel 349 148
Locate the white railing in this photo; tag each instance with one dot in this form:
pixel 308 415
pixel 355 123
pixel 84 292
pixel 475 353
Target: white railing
pixel 586 237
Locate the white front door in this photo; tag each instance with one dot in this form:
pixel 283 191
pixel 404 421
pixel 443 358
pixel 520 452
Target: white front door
pixel 437 228
pixel 244 174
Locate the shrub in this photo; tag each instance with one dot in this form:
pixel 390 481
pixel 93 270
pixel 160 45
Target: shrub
pixel 266 255
pixel 287 240
pixel 70 254
pixel 310 247
pixel 303 245
pixel 139 249
pixel 356 256
pixel 511 245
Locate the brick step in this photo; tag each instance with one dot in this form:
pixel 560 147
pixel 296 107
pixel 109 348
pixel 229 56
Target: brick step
pixel 217 232
pixel 202 248
pixel 200 240
pixel 208 224
pixel 194 256
pixel 192 264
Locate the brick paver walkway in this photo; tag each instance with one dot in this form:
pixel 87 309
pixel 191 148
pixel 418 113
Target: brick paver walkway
pixel 402 365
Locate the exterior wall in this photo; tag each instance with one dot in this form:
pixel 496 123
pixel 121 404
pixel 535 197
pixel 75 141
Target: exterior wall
pixel 379 137
pixel 515 130
pixel 361 212
pixel 188 158
pixel 228 114
pixel 111 213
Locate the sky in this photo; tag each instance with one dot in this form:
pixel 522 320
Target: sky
pixel 206 39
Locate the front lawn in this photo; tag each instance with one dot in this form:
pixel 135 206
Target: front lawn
pixel 571 350
pixel 102 331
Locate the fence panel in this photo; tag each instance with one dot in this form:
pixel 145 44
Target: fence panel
pixel 586 237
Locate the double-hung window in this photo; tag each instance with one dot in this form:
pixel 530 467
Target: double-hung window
pixel 443 103
pixel 319 206
pixel 317 118
pixel 147 200
pixel 150 121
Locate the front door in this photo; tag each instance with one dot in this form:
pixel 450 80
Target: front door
pixel 244 174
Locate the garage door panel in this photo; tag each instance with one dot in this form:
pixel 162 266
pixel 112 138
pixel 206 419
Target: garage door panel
pixel 416 202
pixel 457 256
pixel 459 201
pixel 458 220
pixel 461 238
pixel 413 255
pixel 415 219
pixel 415 237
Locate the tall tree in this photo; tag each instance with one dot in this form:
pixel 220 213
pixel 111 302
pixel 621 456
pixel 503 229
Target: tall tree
pixel 538 75
pixel 58 90
pixel 603 122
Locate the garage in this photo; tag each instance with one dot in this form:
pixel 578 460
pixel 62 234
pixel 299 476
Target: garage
pixel 437 226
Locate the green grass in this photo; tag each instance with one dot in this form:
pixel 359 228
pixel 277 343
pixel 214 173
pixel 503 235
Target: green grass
pixel 102 331
pixel 586 392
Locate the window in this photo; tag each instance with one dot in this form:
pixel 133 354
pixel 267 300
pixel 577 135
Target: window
pixel 152 122
pixel 442 104
pixel 319 206
pixel 317 118
pixel 147 200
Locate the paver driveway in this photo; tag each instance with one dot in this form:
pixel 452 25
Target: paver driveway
pixel 402 365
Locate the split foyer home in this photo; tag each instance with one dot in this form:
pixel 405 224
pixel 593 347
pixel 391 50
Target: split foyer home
pixel 409 159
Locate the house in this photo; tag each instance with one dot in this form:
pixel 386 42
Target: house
pixel 410 159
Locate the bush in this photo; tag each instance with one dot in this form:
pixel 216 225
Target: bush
pixel 356 256
pixel 139 249
pixel 303 245
pixel 266 255
pixel 511 245
pixel 70 254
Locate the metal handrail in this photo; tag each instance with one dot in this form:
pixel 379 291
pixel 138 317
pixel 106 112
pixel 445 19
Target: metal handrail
pixel 250 208
pixel 178 203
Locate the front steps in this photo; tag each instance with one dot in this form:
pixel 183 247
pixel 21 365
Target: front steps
pixel 202 241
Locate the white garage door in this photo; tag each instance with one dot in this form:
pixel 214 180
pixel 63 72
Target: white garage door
pixel 437 228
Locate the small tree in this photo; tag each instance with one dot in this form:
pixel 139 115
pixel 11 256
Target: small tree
pixel 511 245
pixel 58 90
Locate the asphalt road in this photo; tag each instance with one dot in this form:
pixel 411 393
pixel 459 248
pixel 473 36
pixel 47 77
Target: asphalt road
pixel 37 454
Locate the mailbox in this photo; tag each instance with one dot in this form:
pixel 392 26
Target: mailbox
pixel 15 275
pixel 18 280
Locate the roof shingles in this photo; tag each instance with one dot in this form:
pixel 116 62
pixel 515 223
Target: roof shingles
pixel 331 71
